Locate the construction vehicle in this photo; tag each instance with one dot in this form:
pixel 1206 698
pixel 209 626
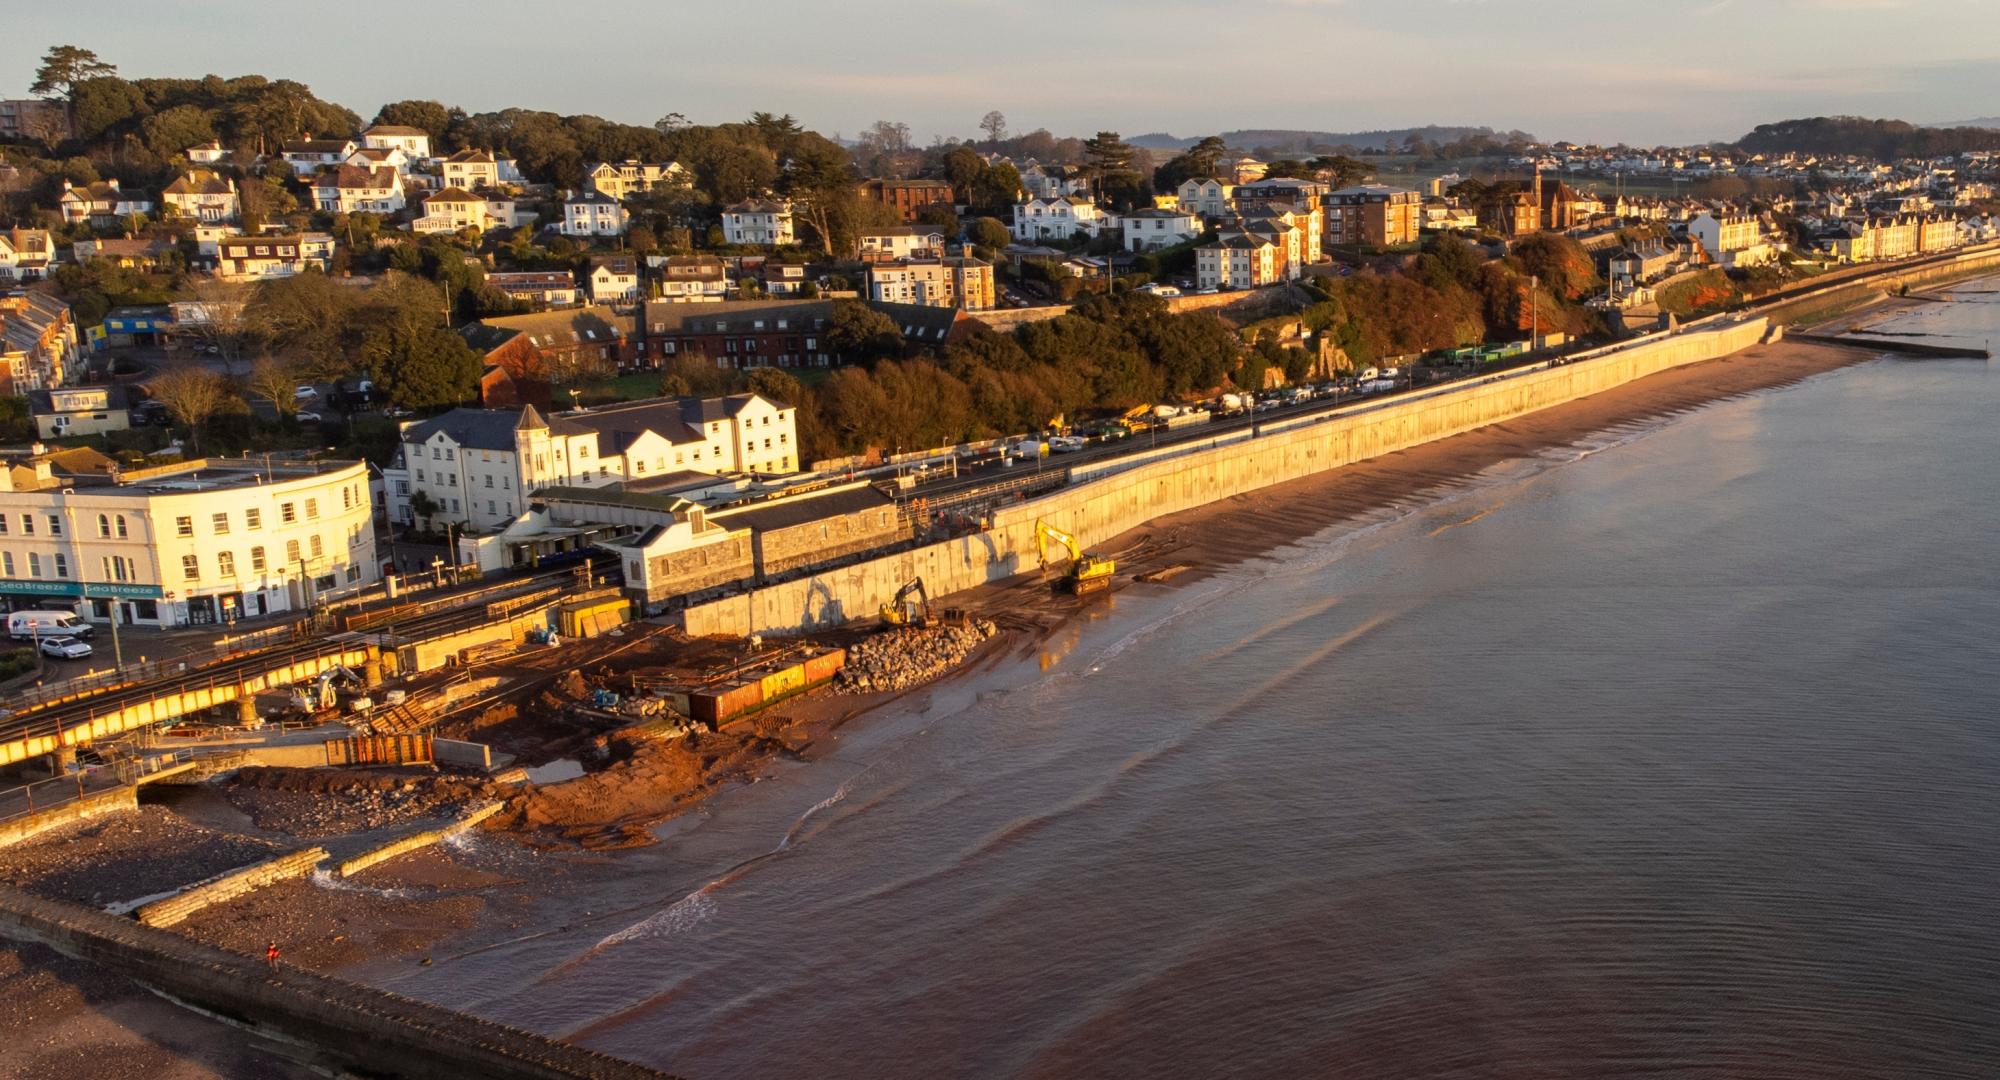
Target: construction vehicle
pixel 1137 418
pixel 320 694
pixel 898 612
pixel 1087 573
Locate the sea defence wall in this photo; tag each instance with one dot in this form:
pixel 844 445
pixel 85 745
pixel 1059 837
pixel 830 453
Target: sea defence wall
pixel 229 886
pixel 1181 478
pixel 369 1031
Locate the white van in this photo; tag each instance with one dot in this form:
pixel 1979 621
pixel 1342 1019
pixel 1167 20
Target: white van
pixel 22 625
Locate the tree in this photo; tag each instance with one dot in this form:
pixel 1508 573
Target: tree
pixel 216 318
pixel 775 384
pixel 821 185
pixel 1106 153
pixel 431 116
pixel 994 125
pixel 275 382
pixel 304 316
pixel 1198 162
pixel 191 395
pixel 887 137
pixel 100 104
pixel 63 68
pixel 1340 170
pixel 998 189
pixel 856 331
pixel 962 168
pixel 425 367
pixel 989 233
pixel 170 132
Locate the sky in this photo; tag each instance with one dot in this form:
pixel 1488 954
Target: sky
pixel 1643 72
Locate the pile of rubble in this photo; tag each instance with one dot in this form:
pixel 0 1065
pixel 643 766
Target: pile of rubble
pixel 312 804
pixel 900 659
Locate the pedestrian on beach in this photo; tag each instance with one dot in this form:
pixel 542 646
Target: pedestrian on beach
pixel 271 955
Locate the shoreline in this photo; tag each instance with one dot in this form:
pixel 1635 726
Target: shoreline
pixel 448 904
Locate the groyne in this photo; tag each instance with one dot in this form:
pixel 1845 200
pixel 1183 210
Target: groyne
pixel 1181 478
pixel 368 1031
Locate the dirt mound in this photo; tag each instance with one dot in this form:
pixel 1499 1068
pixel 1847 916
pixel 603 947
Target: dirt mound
pixel 648 780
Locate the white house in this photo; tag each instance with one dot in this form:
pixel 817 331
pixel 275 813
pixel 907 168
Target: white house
pixel 254 258
pixel 102 203
pixel 690 277
pixel 614 279
pixel 594 214
pixel 25 254
pixel 451 210
pixel 76 411
pixel 207 153
pixel 1151 229
pixel 196 543
pixel 372 157
pixel 203 196
pixel 1056 219
pixel 1732 240
pixel 1208 197
pixel 348 189
pixel 478 467
pixel 764 222
pixel 472 170
pixel 414 142
pixel 309 155
pixel 619 179
pixel 899 242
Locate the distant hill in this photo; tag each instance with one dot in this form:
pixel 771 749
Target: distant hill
pixel 1882 139
pixel 1990 122
pixel 1305 142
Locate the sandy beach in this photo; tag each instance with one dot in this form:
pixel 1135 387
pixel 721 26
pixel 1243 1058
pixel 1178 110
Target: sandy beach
pixel 411 906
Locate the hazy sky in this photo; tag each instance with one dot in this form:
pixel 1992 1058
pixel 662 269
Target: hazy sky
pixel 1640 71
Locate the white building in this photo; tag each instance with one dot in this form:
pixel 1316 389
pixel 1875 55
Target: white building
pixel 476 169
pixel 899 242
pixel 203 196
pixel 253 258
pixel 25 254
pixel 195 543
pixel 1208 197
pixel 350 189
pixel 614 279
pixel 1150 230
pixel 477 467
pixel 763 222
pixel 310 155
pixel 1732 240
pixel 451 210
pixel 619 179
pixel 594 214
pixel 1056 219
pixel 414 142
pixel 207 153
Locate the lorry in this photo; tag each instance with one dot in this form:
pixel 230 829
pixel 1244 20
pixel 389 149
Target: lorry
pixel 1235 403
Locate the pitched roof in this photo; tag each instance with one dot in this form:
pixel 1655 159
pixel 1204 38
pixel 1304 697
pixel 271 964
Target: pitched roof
pixel 675 419
pixel 550 329
pixel 470 156
pixel 453 195
pixel 617 264
pixel 396 129
pixel 200 182
pixel 758 206
pixel 320 146
pixel 482 429
pixel 356 178
pixel 803 509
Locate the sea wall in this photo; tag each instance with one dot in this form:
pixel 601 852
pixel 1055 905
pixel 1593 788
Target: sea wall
pixel 369 1031
pixel 1181 478
pixel 406 844
pixel 116 800
pixel 229 886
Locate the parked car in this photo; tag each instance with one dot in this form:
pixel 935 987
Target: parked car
pixel 311 418
pixel 395 413
pixel 304 392
pixel 65 648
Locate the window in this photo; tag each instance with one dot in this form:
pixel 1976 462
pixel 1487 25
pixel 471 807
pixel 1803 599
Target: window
pixel 489 479
pixel 353 574
pixel 256 560
pixel 347 498
pixel 420 476
pixel 291 551
pixel 448 452
pixel 317 549
pixel 454 506
pixel 7 563
pixel 27 524
pixel 190 567
pixel 3 524
pixel 220 523
pixel 253 519
pixel 225 563
pixel 104 526
pixel 437 454
pixel 34 564
pixel 62 565
pixel 491 507
pixel 287 513
pixel 312 509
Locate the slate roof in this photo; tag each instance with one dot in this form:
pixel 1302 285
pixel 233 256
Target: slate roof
pixel 482 429
pixel 41 404
pixel 802 509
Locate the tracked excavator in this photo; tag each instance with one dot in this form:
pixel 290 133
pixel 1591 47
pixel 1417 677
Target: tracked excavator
pixel 1088 572
pixel 898 612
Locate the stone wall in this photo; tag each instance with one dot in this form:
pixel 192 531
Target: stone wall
pixel 406 844
pixel 117 800
pixel 1181 478
pixel 229 886
pixel 366 1030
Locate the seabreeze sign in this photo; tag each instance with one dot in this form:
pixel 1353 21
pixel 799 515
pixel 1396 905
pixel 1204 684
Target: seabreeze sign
pixel 71 588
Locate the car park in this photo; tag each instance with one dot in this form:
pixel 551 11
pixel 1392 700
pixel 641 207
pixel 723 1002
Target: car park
pixel 65 648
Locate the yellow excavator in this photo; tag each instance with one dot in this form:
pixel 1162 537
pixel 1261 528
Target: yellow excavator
pixel 898 612
pixel 1088 572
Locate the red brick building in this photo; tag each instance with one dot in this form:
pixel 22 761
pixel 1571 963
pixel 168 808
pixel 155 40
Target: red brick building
pixel 907 196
